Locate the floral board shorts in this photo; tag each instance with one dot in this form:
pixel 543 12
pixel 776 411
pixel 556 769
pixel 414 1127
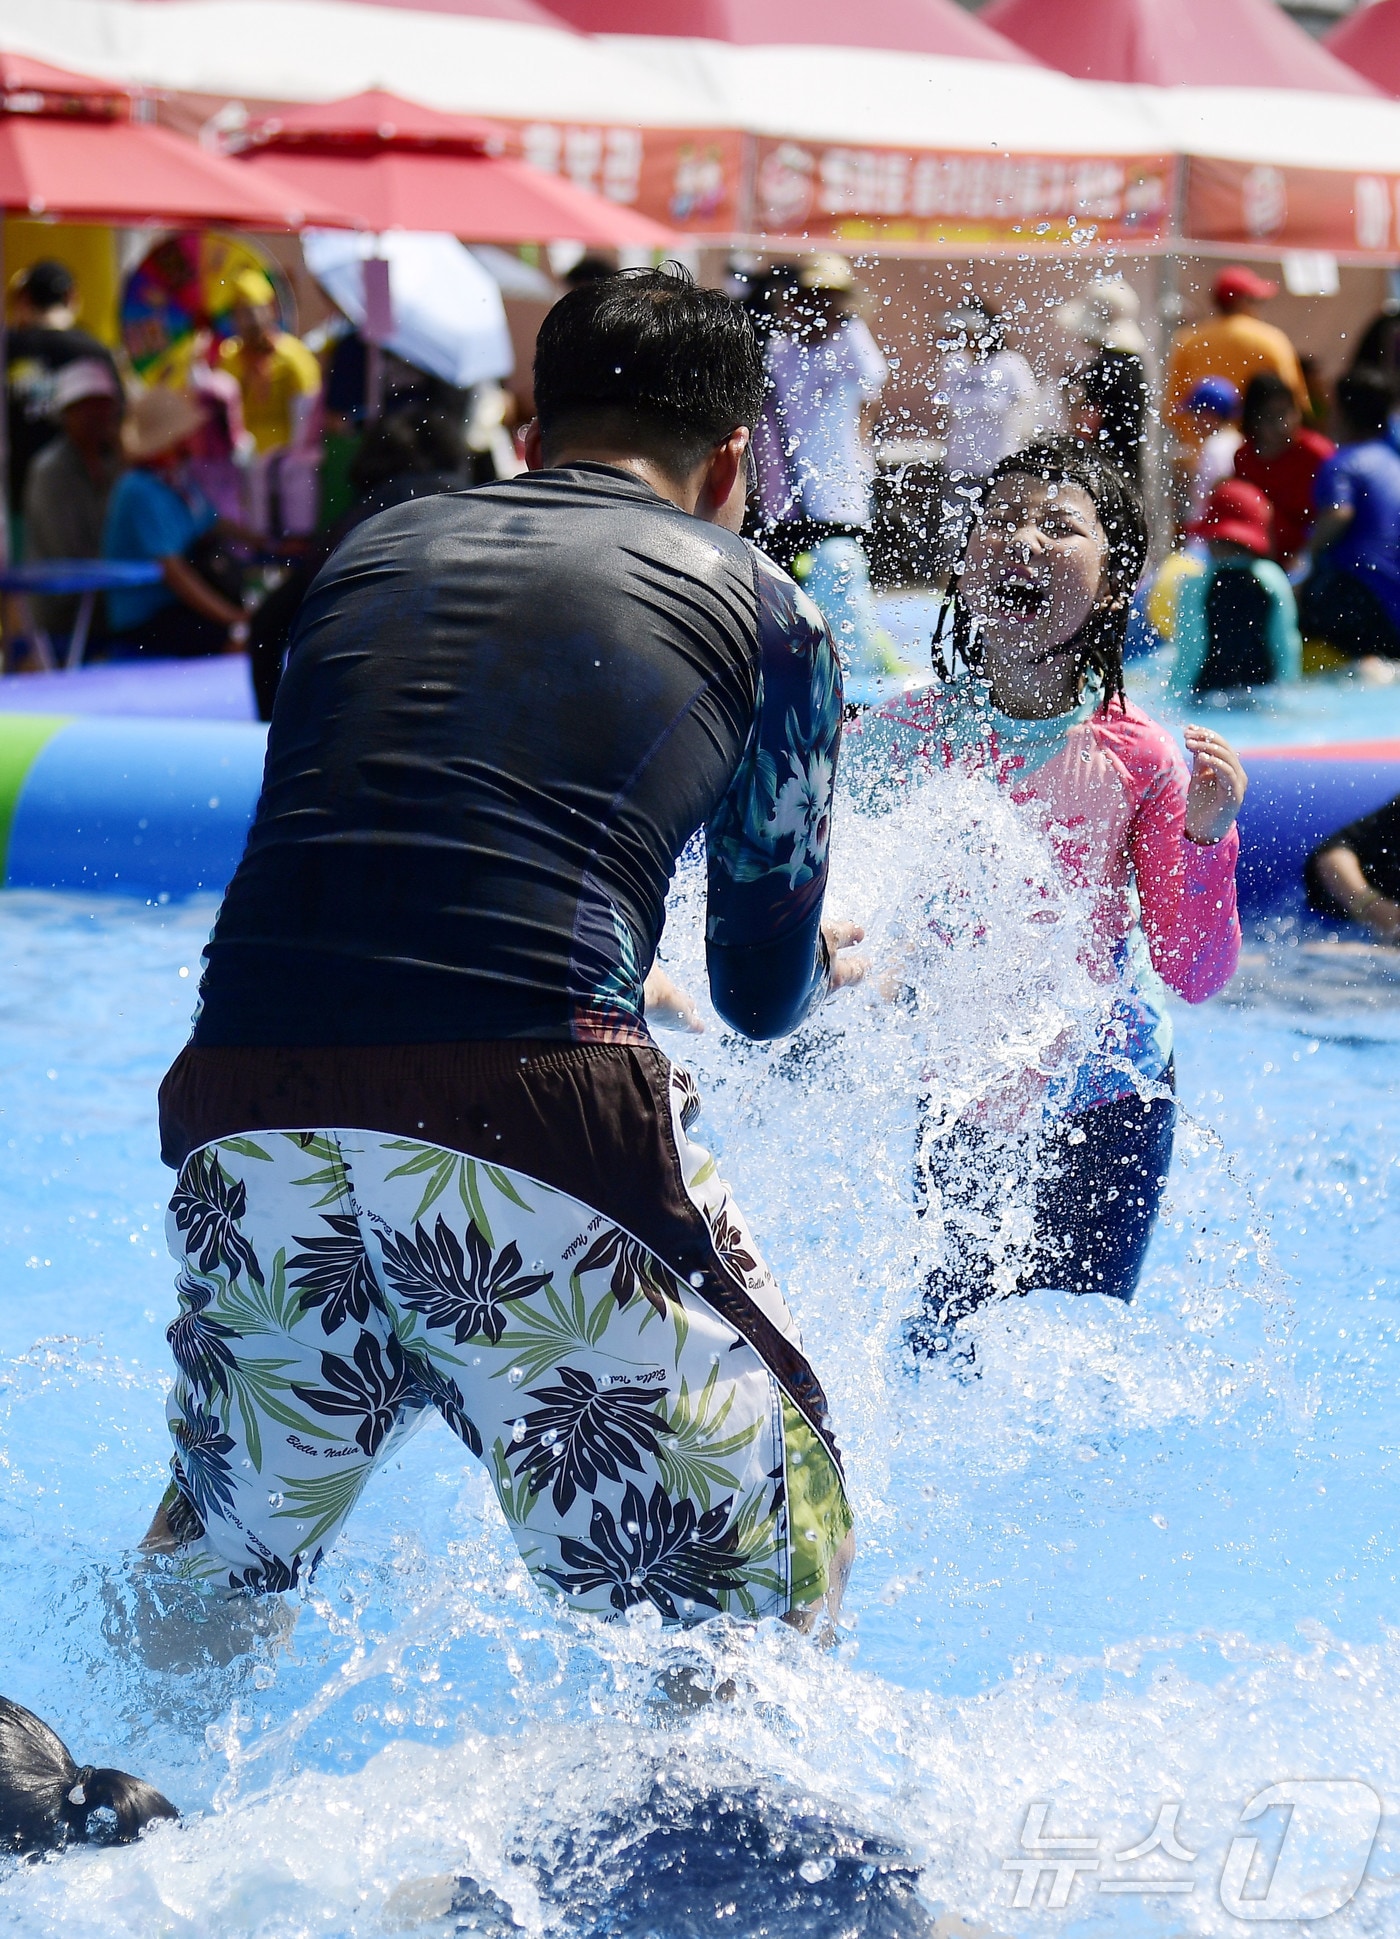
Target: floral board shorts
pixel 625 1366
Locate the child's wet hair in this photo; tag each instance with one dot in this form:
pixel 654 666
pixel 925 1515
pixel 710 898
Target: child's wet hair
pixel 1118 506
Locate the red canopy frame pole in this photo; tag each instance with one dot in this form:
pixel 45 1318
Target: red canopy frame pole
pixel 4 433
pixel 746 205
pixel 1162 325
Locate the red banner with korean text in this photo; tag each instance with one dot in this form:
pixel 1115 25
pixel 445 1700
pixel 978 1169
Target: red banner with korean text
pixel 923 198
pixel 692 179
pixel 1244 204
pixel 721 183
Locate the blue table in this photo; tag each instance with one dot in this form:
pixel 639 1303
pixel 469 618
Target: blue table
pixel 85 577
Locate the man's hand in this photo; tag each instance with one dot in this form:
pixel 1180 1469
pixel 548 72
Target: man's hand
pixel 838 935
pixel 665 1002
pixel 1218 782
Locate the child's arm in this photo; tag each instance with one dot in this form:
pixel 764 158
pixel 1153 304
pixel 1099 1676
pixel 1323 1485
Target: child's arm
pixel 1184 849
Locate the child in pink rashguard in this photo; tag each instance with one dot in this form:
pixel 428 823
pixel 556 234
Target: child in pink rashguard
pixel 1038 619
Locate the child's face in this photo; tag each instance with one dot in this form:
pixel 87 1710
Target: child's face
pixel 1033 572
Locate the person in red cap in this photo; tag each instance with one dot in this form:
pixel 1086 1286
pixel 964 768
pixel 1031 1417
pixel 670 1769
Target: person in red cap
pixel 1234 344
pixel 1236 622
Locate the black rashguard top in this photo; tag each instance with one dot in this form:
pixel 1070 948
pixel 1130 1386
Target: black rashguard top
pixel 505 713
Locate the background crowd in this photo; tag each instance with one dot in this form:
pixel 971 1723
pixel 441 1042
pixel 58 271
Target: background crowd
pixel 1279 505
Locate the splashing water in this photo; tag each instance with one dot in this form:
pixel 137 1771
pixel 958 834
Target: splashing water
pixel 1129 1558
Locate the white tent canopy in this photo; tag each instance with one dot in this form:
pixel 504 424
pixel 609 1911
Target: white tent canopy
pixel 1285 127
pixel 298 50
pixel 871 95
pixel 857 103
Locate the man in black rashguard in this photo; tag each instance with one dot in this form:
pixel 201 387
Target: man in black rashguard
pixel 429 1155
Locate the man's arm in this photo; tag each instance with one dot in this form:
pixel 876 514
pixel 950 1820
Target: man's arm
pixel 767 842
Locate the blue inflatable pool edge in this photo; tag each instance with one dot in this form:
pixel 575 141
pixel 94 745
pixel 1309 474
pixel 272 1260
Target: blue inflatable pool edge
pixel 161 808
pixel 153 808
pixel 1297 797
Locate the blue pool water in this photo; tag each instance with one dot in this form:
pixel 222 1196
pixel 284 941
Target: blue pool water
pixel 1123 1558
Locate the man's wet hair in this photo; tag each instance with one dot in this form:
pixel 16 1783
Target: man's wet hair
pixel 47 1801
pixel 1099 643
pixel 1364 403
pixel 647 361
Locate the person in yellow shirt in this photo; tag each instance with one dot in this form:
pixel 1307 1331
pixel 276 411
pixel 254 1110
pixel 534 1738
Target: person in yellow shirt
pixel 1234 344
pixel 277 374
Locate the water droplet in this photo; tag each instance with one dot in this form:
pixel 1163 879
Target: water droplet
pixel 275 1501
pixel 697 1279
pixel 517 1432
pixel 515 1376
pixel 549 1437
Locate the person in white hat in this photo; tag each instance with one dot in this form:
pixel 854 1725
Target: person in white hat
pixel 826 374
pixel 156 512
pixel 1111 383
pixel 985 407
pixel 816 467
pixel 70 481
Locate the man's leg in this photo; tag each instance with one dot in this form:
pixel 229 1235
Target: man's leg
pixel 609 1341
pixel 291 1386
pixel 641 1447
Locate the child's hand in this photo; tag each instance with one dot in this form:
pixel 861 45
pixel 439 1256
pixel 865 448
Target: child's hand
pixel 839 936
pixel 1218 782
pixel 664 1001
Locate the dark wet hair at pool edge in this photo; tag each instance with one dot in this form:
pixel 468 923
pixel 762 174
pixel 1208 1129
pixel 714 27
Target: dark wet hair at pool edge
pixel 47 1801
pixel 1099 642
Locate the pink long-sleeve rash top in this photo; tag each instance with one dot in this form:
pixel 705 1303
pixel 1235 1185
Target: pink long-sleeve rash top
pixel 1109 791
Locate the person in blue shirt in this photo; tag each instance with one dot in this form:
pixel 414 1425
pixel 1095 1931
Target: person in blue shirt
pixel 156 513
pixel 1351 600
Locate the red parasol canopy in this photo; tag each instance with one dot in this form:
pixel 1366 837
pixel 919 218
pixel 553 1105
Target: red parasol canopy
pixel 1369 41
pixel 390 164
pixel 1174 43
pixel 28 86
pixel 373 120
pixel 905 26
pixel 68 148
pixel 138 175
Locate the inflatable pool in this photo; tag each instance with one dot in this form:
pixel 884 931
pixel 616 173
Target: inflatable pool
pixel 160 808
pixel 153 808
pixel 1297 797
